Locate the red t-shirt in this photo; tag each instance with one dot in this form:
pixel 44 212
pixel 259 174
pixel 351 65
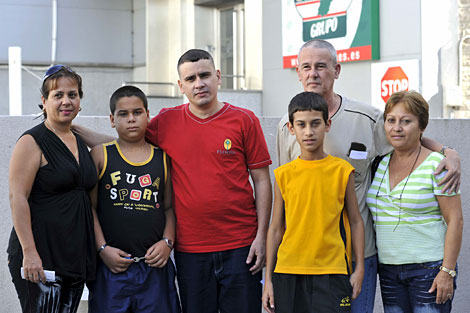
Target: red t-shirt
pixel 213 198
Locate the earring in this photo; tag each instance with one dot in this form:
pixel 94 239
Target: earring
pixel 79 109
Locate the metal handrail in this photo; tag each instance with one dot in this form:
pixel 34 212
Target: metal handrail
pixel 232 75
pixel 239 80
pixel 173 85
pixel 27 70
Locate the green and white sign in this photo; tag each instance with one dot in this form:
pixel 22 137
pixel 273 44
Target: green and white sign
pixel 352 26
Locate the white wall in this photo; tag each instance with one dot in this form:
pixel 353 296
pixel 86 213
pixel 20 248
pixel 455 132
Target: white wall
pixel 206 36
pixel 279 85
pixel 88 32
pixel 439 37
pixel 139 31
pixel 101 40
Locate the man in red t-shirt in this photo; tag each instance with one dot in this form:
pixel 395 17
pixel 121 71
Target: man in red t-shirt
pixel 221 228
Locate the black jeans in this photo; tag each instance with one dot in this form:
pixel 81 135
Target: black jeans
pixel 60 296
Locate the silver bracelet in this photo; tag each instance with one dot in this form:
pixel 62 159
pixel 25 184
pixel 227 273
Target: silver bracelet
pixel 101 248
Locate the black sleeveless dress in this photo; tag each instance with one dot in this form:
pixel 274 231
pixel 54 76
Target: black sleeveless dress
pixel 61 213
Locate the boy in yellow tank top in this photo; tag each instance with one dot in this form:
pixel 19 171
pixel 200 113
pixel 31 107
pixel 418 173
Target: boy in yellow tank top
pixel 315 222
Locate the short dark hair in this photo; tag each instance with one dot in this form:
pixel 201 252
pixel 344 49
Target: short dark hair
pixel 194 55
pixel 127 91
pixel 308 101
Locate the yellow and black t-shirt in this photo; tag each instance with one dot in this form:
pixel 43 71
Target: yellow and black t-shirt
pixel 317 239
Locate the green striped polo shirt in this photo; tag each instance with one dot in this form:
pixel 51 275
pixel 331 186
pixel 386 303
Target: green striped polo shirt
pixel 409 225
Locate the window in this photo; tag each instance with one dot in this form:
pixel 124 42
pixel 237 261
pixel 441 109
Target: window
pixel 232 46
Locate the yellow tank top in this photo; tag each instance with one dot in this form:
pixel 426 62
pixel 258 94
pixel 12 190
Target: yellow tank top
pixel 317 239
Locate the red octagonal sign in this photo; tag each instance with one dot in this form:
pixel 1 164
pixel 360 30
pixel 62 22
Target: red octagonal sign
pixel 394 80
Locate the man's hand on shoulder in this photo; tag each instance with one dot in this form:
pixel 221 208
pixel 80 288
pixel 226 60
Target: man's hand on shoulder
pixel 451 163
pixel 258 254
pixel 115 259
pixel 91 137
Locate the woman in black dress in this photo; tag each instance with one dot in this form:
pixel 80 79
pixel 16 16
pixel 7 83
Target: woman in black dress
pixel 50 175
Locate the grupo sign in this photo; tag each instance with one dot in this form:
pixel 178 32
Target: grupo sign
pixel 390 77
pixel 352 26
pixel 321 20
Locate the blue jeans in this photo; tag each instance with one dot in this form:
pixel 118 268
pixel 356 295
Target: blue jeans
pixel 140 288
pixel 405 288
pixel 218 282
pixel 365 302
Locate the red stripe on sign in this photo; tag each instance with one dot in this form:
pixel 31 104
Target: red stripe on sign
pixel 355 54
pixel 289 61
pixel 307 2
pixel 324 16
pixel 362 53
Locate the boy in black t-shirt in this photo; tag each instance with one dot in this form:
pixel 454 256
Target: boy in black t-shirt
pixel 134 220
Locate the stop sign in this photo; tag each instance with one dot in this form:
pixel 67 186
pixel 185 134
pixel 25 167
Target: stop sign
pixel 394 80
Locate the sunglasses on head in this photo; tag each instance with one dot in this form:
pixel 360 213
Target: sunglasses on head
pixel 54 69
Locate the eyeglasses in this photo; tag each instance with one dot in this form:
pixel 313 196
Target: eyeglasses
pixel 54 69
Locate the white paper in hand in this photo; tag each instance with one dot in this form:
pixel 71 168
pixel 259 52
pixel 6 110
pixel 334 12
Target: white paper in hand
pixel 50 275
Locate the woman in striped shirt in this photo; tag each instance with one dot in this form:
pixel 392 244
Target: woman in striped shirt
pixel 418 226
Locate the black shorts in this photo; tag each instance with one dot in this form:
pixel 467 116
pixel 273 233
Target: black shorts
pixel 312 293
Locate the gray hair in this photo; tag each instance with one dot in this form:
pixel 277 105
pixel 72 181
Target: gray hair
pixel 320 44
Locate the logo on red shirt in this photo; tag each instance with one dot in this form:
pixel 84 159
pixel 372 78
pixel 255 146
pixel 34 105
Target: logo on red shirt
pixel 227 147
pixel 227 144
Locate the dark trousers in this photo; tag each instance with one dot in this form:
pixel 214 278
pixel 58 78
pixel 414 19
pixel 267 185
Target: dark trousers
pixel 330 293
pixel 60 296
pixel 218 282
pixel 139 289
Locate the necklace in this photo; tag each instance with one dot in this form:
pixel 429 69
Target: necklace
pixel 411 170
pixel 75 153
pixel 404 186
